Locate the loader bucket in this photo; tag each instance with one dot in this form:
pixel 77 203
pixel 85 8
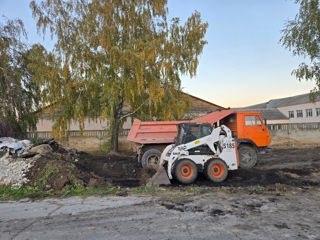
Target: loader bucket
pixel 159 178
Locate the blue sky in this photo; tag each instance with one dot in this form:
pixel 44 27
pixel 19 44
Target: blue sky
pixel 243 62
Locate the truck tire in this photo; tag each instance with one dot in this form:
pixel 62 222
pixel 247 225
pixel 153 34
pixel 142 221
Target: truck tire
pixel 185 171
pixel 216 170
pixel 247 156
pixel 151 158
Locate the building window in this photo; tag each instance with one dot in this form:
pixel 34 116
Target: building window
pixel 318 112
pixel 309 112
pixel 299 113
pixel 291 114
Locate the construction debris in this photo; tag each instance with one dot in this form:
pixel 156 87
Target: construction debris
pixel 13 171
pixel 14 146
pixel 50 166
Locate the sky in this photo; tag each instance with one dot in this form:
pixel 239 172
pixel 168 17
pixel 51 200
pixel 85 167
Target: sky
pixel 242 64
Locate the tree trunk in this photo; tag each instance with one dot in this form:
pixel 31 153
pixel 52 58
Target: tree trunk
pixel 117 112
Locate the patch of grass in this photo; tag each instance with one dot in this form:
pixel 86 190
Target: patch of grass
pixel 71 191
pixel 260 189
pixel 75 182
pixel 8 193
pixel 49 170
pixel 36 141
pixel 99 191
pixel 106 146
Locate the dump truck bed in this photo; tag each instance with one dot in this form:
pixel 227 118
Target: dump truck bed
pixel 164 132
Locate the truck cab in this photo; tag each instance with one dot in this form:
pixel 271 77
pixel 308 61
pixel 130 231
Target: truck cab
pixel 251 134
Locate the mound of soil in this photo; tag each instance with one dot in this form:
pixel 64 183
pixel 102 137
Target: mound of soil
pixel 67 168
pixel 62 169
pixel 119 170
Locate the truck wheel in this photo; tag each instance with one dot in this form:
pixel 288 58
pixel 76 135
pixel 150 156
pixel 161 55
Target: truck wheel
pixel 216 170
pixel 247 156
pixel 185 171
pixel 151 158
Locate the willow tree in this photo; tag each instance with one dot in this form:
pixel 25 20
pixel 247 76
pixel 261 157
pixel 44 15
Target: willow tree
pixel 18 91
pixel 119 58
pixel 302 37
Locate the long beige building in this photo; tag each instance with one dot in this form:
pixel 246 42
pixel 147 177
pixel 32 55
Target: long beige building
pixel 95 135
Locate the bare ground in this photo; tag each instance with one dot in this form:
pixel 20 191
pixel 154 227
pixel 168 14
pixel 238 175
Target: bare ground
pixel 278 199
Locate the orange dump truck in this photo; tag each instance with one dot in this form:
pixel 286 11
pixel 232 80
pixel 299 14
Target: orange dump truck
pixel 247 128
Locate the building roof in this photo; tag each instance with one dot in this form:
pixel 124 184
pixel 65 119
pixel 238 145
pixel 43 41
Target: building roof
pixel 268 114
pixel 283 102
pixel 205 101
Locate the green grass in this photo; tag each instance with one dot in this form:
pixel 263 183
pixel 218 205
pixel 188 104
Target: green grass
pixel 67 192
pixel 36 141
pixel 7 193
pixel 49 170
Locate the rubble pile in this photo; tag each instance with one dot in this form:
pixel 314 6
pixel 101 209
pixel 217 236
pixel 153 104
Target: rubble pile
pixel 49 166
pixel 13 171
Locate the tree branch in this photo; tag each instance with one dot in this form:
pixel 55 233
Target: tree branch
pixel 129 114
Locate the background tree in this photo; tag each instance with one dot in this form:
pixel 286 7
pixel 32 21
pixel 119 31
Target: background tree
pixel 18 92
pixel 116 56
pixel 302 37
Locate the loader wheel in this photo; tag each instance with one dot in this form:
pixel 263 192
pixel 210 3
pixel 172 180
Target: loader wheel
pixel 151 158
pixel 247 156
pixel 185 171
pixel 216 170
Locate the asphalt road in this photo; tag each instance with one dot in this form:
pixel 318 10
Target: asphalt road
pixel 220 215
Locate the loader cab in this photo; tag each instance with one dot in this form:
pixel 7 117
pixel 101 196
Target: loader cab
pixel 188 132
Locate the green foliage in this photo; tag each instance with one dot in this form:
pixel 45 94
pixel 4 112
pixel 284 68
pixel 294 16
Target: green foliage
pixel 37 141
pixel 49 170
pixel 106 146
pixel 116 54
pixel 302 37
pixel 99 191
pixel 7 192
pixel 19 95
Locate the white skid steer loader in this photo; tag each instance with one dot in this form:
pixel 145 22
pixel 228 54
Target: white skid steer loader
pixel 198 148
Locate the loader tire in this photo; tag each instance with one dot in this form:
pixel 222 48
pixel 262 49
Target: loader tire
pixel 216 170
pixel 247 156
pixel 185 171
pixel 151 158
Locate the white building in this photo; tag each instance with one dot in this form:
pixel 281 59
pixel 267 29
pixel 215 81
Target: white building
pixel 299 109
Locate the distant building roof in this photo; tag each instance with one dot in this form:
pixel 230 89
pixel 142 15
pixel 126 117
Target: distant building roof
pixel 282 102
pixel 268 114
pixel 201 106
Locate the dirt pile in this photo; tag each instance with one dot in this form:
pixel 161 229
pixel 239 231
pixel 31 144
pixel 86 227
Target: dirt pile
pixel 49 166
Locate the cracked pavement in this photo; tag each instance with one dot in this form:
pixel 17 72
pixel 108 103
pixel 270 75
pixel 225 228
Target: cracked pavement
pixel 217 215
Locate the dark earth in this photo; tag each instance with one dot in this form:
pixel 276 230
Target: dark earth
pixel 278 199
pixel 294 167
